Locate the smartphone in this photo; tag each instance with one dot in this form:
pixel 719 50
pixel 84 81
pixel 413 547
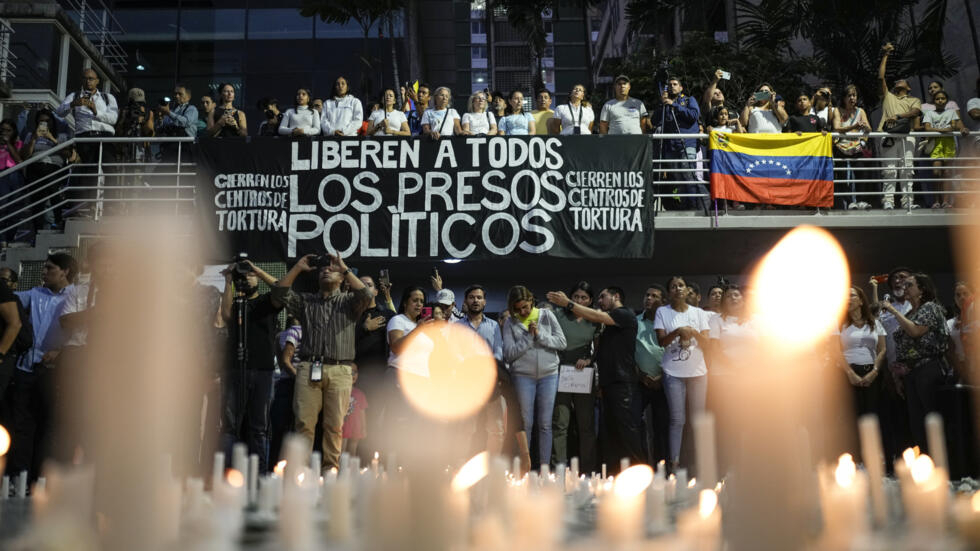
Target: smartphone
pixel 426 312
pixel 725 75
pixel 879 279
pixel 316 371
pixel 435 272
pixel 383 278
pixel 761 96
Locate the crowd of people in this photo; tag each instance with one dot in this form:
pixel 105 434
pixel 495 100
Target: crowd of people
pixel 419 110
pixel 331 374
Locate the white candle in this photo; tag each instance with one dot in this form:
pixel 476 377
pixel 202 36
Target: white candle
pixel 936 437
pixel 316 462
pixel 217 470
pixel 267 498
pixel 253 478
pixel 337 497
pixel 621 511
pixel 624 463
pixel 573 466
pixel 680 492
pixel 843 502
pixel 344 462
pixel 5 488
pixel 966 512
pixel 560 476
pixel 375 464
pixel 926 497
pixel 657 505
pixel 701 529
pixel 704 446
pixel 874 462
pixel 296 510
pixel 239 458
pixel 170 495
pixel 22 485
pixel 603 471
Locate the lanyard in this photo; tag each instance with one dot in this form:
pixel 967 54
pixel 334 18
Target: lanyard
pixel 443 125
pixel 572 114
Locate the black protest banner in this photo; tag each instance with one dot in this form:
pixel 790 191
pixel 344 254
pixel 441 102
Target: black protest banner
pixel 461 197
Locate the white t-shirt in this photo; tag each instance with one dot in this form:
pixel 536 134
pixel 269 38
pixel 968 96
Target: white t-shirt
pixel 479 122
pixel 571 117
pixel 926 107
pixel 974 125
pixel 860 344
pixel 736 338
pixel 435 121
pixel 823 114
pixel 401 322
pixel 954 334
pixel 687 360
pixel 395 119
pixel 624 116
pixel 763 121
pixel 939 120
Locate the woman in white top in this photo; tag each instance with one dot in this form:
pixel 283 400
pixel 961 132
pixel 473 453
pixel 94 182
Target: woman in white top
pixel 388 121
pixel 822 105
pixel 409 318
pixel 862 343
pixel 516 122
pixel 682 330
pixel 441 120
pixel 963 298
pixel 731 333
pixel 854 120
pixel 764 116
pixel 343 113
pixel 575 117
pixel 479 121
pixel 301 120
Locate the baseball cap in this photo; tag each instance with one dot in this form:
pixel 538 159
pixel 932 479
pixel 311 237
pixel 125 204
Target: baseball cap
pixel 137 94
pixel 445 297
pixel 622 77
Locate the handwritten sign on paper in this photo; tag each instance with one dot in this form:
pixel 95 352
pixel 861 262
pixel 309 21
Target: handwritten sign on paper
pixel 576 381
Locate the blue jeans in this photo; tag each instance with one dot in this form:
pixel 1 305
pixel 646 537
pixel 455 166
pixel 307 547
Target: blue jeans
pixel 678 390
pixel 537 401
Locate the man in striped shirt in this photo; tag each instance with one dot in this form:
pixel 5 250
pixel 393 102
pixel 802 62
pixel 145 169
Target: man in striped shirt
pixel 324 373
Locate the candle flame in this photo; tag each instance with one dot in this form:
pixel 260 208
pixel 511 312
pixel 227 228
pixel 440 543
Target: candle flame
pixel 4 441
pixel 718 487
pixel 633 481
pixel 471 472
pixel 922 469
pixel 808 258
pixel 235 478
pixel 846 470
pixel 693 482
pixel 300 478
pixel 707 501
pixel 376 456
pixel 909 456
pixel 280 468
pixel 975 502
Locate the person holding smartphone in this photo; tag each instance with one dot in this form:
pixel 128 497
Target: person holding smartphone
pixel 764 112
pixel 226 121
pixel 43 138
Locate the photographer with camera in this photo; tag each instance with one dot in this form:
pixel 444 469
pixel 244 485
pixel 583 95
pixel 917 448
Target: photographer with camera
pixel 270 108
pixel 226 121
pixel 680 114
pixel 248 381
pixel 324 377
pixel 137 121
pixel 180 121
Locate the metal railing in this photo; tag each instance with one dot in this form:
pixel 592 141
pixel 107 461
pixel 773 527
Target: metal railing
pixel 95 19
pixel 108 179
pixel 7 58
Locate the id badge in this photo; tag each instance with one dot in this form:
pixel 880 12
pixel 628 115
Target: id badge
pixel 577 130
pixel 316 371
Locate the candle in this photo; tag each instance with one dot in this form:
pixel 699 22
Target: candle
pixel 624 464
pixel 217 470
pixel 704 446
pixel 657 505
pixel 925 497
pixel 4 448
pixel 337 499
pixel 22 485
pixel 966 512
pixel 468 476
pixel 574 467
pixel 239 458
pixel 680 492
pixel 535 518
pixel 170 495
pixel 936 437
pixel 621 511
pixel 843 504
pixel 296 509
pixel 874 462
pixel 701 529
pixel 375 464
pixel 253 479
pixel 316 461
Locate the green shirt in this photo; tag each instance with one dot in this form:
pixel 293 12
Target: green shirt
pixel 649 353
pixel 578 334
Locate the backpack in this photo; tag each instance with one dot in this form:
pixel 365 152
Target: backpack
pixel 25 337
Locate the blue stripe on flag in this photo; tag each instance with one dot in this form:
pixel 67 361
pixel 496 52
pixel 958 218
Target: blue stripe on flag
pixel 762 166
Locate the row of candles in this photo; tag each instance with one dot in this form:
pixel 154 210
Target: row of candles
pixel 485 506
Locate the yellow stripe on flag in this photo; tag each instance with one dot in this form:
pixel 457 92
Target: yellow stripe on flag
pixel 774 145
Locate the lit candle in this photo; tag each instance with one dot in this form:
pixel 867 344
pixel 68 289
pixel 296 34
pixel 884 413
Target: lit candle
pixel 296 509
pixel 966 512
pixel 217 470
pixel 874 463
pixel 621 511
pixel 375 465
pixel 657 505
pixel 253 478
pixel 926 497
pixel 574 467
pixel 936 437
pixel 704 446
pixel 468 476
pixel 4 448
pixel 843 504
pixel 701 529
pixel 239 458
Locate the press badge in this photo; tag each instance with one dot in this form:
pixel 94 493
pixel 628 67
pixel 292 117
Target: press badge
pixel 316 371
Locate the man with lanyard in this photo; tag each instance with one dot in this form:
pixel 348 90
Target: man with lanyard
pixel 419 105
pixel 179 122
pixel 649 356
pixel 371 346
pixel 32 390
pixel 324 377
pixel 95 115
pixel 618 374
pixel 248 396
pixel 680 114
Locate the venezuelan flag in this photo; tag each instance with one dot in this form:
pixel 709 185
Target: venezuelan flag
pixel 778 169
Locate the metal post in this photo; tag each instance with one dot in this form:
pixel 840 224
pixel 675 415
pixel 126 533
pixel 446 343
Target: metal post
pixel 180 148
pixel 100 192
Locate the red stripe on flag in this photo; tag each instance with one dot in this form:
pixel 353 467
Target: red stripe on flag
pixel 773 191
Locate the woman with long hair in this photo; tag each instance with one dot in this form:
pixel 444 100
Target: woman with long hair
pixel 532 339
pixel 765 114
pixel 578 354
pixel 682 330
pixel 388 121
pixel 342 113
pixel 921 341
pixel 301 119
pixel 853 120
pixel 517 122
pixel 575 117
pixel 862 343
pixel 226 121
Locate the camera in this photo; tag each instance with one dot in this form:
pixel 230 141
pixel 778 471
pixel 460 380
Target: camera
pixel 241 270
pixel 135 110
pixel 164 101
pixel 269 113
pixel 725 75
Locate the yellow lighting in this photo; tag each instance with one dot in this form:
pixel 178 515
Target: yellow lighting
pixel 707 501
pixel 633 481
pixel 235 478
pixel 471 472
pixel 846 471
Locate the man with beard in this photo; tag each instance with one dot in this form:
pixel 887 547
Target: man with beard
pixel 249 378
pixel 895 433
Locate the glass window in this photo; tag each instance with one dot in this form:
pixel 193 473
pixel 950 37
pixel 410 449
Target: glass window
pixel 480 79
pixel 284 24
pixel 38 50
pixel 549 51
pixel 147 25
pixel 75 61
pixel 212 25
pixel 478 52
pixel 477 26
pixel 350 30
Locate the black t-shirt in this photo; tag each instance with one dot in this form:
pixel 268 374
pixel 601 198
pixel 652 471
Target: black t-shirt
pixel 372 346
pixel 6 295
pixel 805 123
pixel 260 333
pixel 617 344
